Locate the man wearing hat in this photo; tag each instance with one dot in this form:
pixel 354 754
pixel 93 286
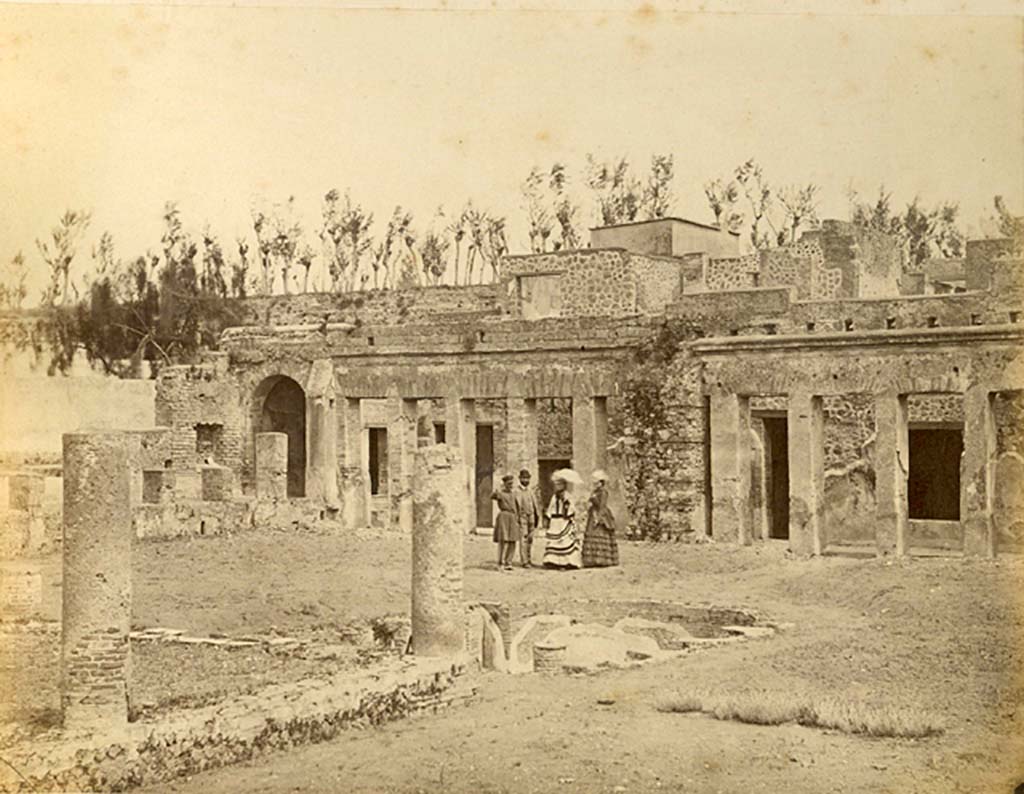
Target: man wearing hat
pixel 527 516
pixel 506 526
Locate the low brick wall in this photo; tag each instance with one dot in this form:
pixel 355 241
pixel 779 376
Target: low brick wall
pixel 276 718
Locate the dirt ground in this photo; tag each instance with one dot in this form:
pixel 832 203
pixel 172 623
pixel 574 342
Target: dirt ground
pixel 944 636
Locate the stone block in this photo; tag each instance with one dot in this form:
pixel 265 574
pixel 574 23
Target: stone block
pixel 216 483
pixel 271 466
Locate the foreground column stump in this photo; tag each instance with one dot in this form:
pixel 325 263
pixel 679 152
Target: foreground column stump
pixel 439 494
pixel 95 652
pixel 271 466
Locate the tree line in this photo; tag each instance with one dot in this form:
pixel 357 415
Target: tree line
pixel 164 305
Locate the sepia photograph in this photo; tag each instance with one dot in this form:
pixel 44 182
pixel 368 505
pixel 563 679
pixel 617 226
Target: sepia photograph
pixel 512 397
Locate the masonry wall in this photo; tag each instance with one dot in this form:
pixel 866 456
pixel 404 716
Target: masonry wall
pixel 377 307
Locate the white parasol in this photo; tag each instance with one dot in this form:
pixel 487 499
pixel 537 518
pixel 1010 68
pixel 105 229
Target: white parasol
pixel 568 475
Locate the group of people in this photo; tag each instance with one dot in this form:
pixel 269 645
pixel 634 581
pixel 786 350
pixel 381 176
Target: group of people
pixel 568 543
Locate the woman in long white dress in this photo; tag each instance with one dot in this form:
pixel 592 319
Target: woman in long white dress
pixel 562 543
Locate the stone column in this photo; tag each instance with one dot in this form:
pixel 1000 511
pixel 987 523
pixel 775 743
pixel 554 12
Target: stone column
pixel 25 494
pixel 521 436
pixel 353 473
pixel 95 652
pixel 730 468
pixel 401 449
pixel 272 466
pixel 589 435
pixel 806 440
pixel 460 434
pixel 438 612
pixel 892 464
pixel 321 443
pixel 976 474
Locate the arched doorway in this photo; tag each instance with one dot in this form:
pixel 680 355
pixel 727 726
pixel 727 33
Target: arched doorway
pixel 281 404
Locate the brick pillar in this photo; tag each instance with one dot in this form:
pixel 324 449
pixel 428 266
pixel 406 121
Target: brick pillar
pixel 976 474
pixel 521 436
pixel 460 434
pixel 353 473
pixel 438 612
pixel 401 449
pixel 805 422
pixel 322 445
pixel 730 468
pixel 271 466
pixel 589 435
pixel 892 459
pixel 95 652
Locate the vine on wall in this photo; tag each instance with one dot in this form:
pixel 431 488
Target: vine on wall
pixel 645 428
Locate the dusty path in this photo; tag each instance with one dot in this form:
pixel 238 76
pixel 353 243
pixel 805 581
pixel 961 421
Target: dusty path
pixel 938 635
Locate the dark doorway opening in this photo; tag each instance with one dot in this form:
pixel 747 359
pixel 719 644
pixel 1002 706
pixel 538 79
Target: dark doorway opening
pixel 776 467
pixel 284 411
pixel 484 475
pixel 378 460
pixel 933 484
pixel 545 468
pixel 439 432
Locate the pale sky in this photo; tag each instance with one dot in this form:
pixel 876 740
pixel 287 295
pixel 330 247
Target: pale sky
pixel 118 109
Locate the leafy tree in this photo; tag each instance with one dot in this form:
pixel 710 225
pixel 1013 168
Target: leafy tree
pixel 1010 226
pixel 617 192
pixel 565 210
pixel 240 270
pixel 657 193
pixel 60 252
pixel 923 232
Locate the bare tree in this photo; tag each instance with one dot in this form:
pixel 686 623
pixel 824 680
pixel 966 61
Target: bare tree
pixel 800 204
pixel 240 270
pixel 398 229
pixel 537 215
pixel 13 289
pixel 758 193
pixel 722 197
pixel 60 252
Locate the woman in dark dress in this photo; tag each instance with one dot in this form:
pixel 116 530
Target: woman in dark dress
pixel 506 526
pixel 599 547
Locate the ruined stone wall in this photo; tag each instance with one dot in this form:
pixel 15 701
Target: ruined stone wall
pixel 592 283
pixel 275 718
pixel 201 405
pixel 732 274
pixel 377 307
pixel 659 281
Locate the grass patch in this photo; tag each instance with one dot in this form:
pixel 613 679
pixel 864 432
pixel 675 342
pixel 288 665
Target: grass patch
pixel 762 707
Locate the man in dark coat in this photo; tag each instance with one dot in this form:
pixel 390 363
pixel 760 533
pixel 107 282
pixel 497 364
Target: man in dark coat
pixel 528 515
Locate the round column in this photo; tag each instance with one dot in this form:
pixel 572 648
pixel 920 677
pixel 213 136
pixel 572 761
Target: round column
pixel 439 507
pixel 95 651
